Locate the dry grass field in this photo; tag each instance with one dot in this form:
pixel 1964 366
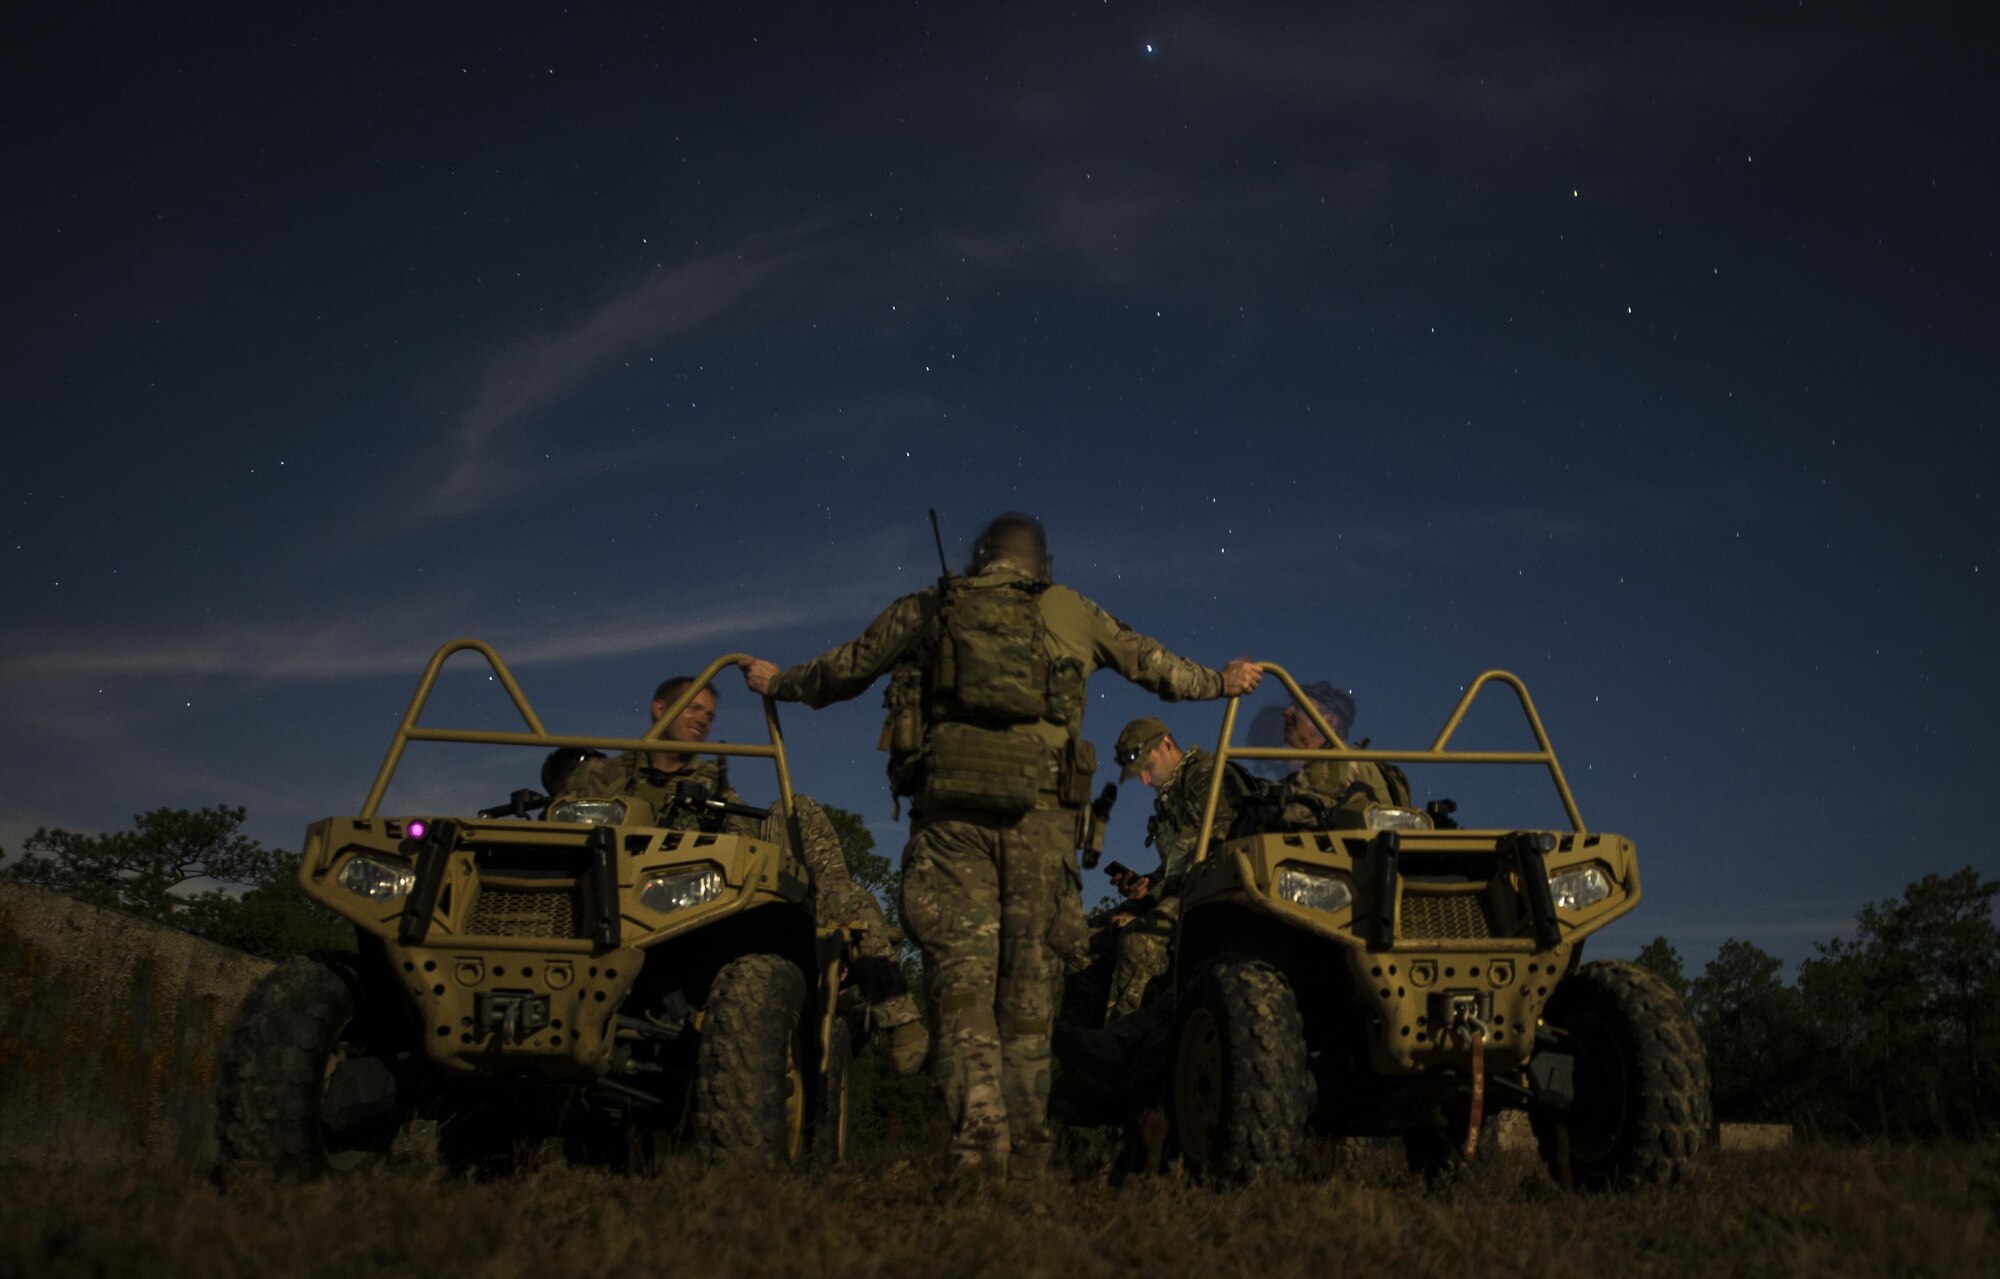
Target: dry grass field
pixel 1887 1210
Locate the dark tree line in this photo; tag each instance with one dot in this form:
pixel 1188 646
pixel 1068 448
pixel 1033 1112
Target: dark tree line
pixel 1894 1032
pixel 193 871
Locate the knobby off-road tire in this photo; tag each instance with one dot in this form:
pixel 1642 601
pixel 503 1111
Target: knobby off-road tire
pixel 1642 1109
pixel 296 1026
pixel 1241 1090
pixel 751 1076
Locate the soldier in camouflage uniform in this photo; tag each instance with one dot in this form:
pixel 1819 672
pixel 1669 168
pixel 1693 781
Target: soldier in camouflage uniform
pixel 663 778
pixel 1343 782
pixel 1143 950
pixel 981 890
pixel 1179 778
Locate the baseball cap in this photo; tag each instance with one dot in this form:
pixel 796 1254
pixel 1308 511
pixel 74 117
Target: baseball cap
pixel 1135 741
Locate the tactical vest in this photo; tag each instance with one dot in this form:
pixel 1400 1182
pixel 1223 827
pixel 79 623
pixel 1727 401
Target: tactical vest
pixel 696 783
pixel 982 668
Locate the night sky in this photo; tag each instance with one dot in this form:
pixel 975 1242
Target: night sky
pixel 1648 352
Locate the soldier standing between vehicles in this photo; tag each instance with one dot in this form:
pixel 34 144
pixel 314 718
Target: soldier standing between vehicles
pixel 677 786
pixel 986 708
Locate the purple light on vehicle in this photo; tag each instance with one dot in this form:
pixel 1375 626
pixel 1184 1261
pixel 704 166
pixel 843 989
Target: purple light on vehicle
pixel 416 829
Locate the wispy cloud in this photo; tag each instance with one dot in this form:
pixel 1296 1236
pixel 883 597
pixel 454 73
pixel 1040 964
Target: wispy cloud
pixel 385 643
pixel 539 371
pixel 826 587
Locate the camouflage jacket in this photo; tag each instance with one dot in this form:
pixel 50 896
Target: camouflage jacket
pixel 628 775
pixel 1082 636
pixel 1176 820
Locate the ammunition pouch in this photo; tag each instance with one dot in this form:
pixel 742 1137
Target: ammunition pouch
pixel 988 771
pixel 903 730
pixel 1079 769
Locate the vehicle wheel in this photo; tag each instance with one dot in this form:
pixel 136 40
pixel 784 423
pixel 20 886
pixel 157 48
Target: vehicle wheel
pixel 302 1093
pixel 1241 1088
pixel 1641 1111
pixel 829 1144
pixel 750 1071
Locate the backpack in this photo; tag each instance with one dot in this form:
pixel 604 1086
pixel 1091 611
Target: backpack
pixel 988 661
pixel 982 669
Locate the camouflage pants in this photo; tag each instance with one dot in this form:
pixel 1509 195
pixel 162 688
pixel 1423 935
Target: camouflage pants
pixel 1069 931
pixel 837 899
pixel 980 899
pixel 1145 951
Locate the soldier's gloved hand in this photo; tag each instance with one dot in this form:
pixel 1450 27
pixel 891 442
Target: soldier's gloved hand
pixel 1241 676
pixel 758 674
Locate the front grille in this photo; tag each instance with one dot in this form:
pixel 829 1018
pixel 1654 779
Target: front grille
pixel 514 912
pixel 1447 917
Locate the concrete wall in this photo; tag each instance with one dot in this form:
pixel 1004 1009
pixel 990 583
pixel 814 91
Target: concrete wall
pixel 111 1034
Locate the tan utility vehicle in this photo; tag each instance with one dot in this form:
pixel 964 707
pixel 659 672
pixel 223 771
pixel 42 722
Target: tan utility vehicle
pixel 1379 971
pixel 589 976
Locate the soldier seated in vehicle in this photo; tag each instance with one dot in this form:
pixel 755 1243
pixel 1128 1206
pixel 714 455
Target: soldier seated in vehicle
pixel 1083 985
pixel 1143 941
pixel 680 787
pixel 1348 783
pixel 1126 1058
pixel 1180 780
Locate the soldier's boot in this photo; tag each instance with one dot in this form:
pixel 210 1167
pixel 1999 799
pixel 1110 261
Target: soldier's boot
pixel 980 1149
pixel 1150 1127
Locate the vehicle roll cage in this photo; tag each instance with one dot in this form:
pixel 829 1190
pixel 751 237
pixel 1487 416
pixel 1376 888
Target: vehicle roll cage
pixel 654 740
pixel 1436 754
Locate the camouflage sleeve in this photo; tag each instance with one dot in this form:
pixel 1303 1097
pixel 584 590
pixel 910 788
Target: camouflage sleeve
pixel 1139 658
pixel 1183 808
pixel 837 899
pixel 1175 840
pixel 841 673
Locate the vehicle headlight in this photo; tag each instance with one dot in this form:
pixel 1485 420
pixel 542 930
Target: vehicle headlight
pixel 1386 817
pixel 375 879
pixel 1314 890
pixel 591 812
pixel 1575 889
pixel 680 889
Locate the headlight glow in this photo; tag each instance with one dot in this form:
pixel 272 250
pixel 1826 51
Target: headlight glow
pixel 1314 890
pixel 591 812
pixel 679 890
pixel 375 879
pixel 1385 817
pixel 1575 889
